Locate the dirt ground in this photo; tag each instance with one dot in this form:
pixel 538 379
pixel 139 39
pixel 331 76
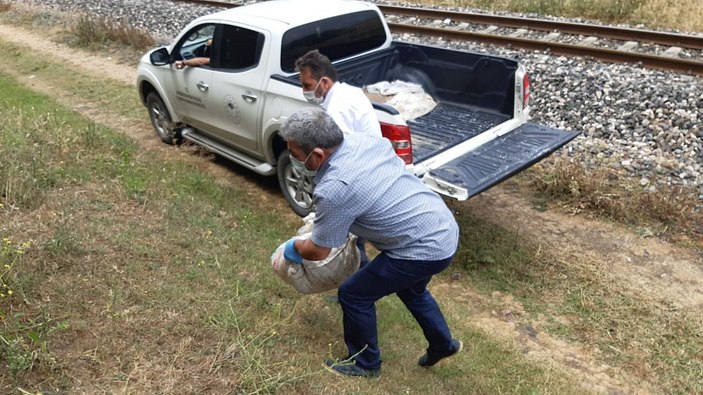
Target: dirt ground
pixel 648 269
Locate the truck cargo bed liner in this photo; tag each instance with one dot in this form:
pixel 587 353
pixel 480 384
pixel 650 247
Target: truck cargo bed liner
pixel 447 125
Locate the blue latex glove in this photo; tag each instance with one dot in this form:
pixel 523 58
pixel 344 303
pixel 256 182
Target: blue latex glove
pixel 291 254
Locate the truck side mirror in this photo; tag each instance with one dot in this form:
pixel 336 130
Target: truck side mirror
pixel 160 57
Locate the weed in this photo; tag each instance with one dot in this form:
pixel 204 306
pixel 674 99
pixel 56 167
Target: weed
pixel 22 179
pixel 62 246
pixel 94 33
pixel 21 345
pixel 485 246
pixel 5 6
pixel 10 256
pixel 249 348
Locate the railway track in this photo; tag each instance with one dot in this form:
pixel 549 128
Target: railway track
pixel 651 49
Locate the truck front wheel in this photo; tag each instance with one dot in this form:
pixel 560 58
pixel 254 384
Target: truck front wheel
pixel 296 188
pixel 161 119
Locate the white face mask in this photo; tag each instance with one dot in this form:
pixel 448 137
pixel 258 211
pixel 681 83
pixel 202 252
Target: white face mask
pixel 311 97
pixel 300 167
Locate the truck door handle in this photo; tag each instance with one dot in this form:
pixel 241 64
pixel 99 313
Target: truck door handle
pixel 203 86
pixel 248 97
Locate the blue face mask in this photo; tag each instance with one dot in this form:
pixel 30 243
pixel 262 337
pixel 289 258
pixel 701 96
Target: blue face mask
pixel 300 167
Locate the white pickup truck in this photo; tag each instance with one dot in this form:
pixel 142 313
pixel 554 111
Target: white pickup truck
pixel 477 135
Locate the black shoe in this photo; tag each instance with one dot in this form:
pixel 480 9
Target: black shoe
pixel 349 368
pixel 430 359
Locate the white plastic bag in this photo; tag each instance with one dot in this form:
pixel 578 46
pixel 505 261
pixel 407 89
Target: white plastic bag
pixel 408 98
pixel 317 276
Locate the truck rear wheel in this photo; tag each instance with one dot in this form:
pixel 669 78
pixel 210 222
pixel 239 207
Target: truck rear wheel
pixel 161 119
pixel 296 188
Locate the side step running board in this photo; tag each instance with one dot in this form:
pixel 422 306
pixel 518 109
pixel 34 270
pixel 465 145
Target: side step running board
pixel 237 157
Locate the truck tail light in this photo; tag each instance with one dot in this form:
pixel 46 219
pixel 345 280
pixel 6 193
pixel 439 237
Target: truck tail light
pixel 399 135
pixel 525 91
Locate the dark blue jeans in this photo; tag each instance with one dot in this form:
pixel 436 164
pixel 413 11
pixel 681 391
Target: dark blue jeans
pixel 363 258
pixel 384 276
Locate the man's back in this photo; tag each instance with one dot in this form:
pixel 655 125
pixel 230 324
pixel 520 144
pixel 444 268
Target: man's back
pixel 382 202
pixel 351 110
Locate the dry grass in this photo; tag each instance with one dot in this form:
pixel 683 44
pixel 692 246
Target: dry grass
pixel 91 32
pixel 669 14
pixel 682 15
pixel 671 211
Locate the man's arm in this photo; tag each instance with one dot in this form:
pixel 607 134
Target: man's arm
pixel 331 226
pixel 194 62
pixel 311 251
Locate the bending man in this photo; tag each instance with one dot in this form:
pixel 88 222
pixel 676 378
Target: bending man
pixel 363 188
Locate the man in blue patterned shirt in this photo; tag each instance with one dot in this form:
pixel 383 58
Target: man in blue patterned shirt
pixel 362 188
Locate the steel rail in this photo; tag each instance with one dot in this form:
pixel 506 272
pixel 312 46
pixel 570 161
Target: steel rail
pixel 611 55
pixel 618 33
pixel 211 3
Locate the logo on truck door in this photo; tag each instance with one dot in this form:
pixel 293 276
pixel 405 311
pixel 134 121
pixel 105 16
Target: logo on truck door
pixel 232 109
pixel 190 99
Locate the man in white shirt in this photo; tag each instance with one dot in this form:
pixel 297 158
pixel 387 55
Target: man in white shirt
pixel 347 104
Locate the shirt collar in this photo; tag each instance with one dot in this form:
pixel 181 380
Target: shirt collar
pixel 328 98
pixel 325 166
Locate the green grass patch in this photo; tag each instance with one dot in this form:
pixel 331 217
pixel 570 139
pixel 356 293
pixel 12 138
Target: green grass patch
pixel 119 98
pixel 37 144
pixel 98 196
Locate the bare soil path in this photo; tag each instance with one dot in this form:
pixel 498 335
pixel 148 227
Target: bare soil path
pixel 645 268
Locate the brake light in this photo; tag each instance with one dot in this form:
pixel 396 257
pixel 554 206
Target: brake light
pixel 525 91
pixel 399 135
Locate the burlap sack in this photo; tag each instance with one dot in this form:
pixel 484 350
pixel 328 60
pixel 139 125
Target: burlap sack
pixel 317 276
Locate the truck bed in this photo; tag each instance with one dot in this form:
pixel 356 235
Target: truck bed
pixel 447 125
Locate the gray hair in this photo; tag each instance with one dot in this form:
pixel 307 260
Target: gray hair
pixel 312 128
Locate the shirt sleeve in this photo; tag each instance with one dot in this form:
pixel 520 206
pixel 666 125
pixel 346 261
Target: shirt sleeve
pixel 332 219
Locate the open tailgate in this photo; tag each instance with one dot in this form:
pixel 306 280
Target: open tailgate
pixel 495 160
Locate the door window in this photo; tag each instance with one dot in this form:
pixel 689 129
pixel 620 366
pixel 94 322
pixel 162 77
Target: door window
pixel 240 48
pixel 197 43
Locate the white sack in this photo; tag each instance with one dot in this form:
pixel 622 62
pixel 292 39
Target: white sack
pixel 408 98
pixel 317 276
